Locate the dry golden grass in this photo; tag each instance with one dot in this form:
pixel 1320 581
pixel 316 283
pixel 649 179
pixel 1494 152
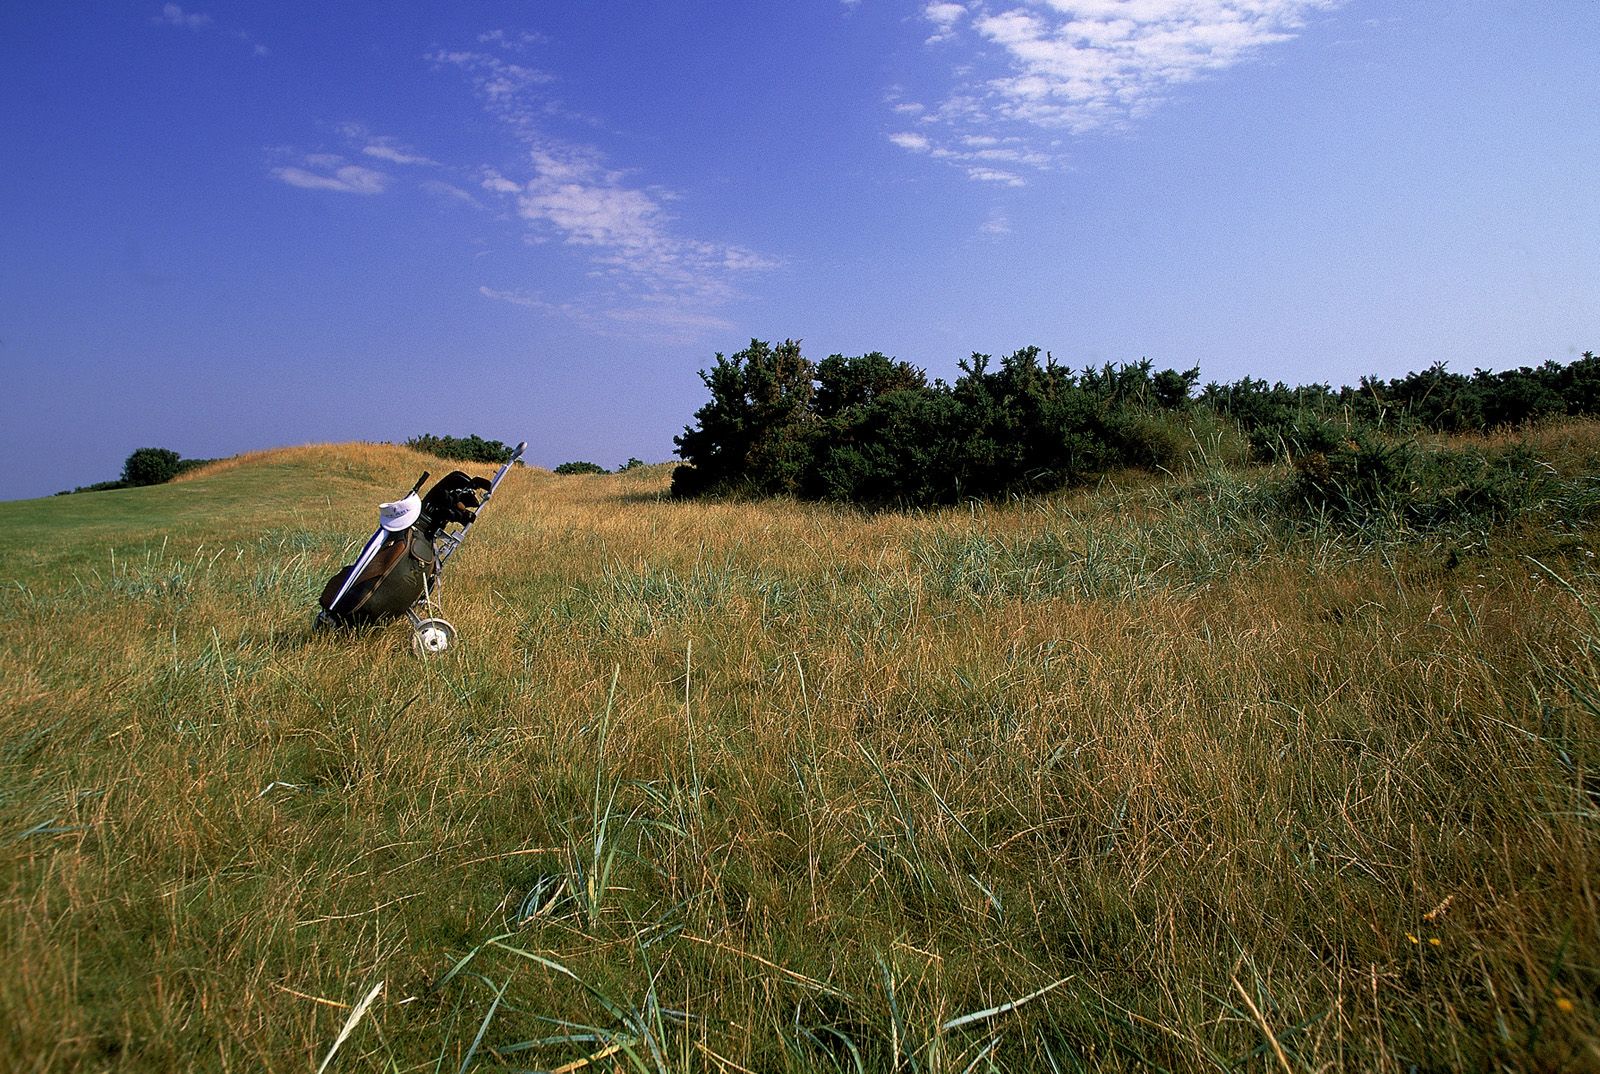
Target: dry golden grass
pixel 783 787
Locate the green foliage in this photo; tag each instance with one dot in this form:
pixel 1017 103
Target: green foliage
pixel 1171 390
pixel 1279 421
pixel 1367 477
pixel 1477 487
pixel 151 466
pixel 847 384
pixel 568 468
pixel 873 430
pixel 898 448
pixel 631 464
pixel 98 486
pixel 1361 476
pixel 753 436
pixel 461 448
pixel 1434 400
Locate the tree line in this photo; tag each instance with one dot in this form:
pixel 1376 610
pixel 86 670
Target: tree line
pixel 874 430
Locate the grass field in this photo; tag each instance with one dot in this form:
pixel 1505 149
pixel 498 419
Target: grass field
pixel 1139 777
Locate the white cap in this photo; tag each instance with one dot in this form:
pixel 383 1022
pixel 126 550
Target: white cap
pixel 399 515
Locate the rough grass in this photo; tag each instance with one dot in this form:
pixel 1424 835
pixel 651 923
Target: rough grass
pixel 1130 779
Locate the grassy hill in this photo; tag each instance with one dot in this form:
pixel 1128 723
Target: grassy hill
pixel 1136 777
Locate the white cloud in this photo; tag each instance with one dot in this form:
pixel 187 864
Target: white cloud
pixel 499 184
pixel 513 40
pixel 385 149
pixel 675 323
pixel 917 143
pixel 325 172
pixel 627 230
pixel 994 175
pixel 382 147
pixel 665 322
pixel 944 17
pixel 173 15
pixel 1078 66
pixel 452 192
pixel 649 273
pixel 595 212
pixel 497 80
pixel 516 298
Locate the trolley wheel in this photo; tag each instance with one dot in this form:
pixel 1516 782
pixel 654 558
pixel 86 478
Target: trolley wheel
pixel 323 621
pixel 431 636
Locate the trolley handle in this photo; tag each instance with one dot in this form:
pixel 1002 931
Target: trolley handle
pixel 417 487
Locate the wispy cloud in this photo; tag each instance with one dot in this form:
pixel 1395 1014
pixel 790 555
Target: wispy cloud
pixel 994 175
pixel 382 147
pixel 946 17
pixel 501 83
pixel 997 223
pixel 512 40
pixel 331 171
pixel 1041 69
pixel 324 171
pixel 665 321
pixel 650 272
pixel 985 158
pixel 646 272
pixel 393 154
pixel 174 15
pixel 626 231
pixel 451 192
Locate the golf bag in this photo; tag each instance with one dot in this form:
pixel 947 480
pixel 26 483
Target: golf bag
pixel 399 567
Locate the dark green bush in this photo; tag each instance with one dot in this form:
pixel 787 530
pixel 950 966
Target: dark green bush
pixel 151 466
pixel 1367 477
pixel 873 430
pixel 1295 436
pixel 461 448
pixel 98 486
pixel 1362 476
pixel 581 468
pixel 752 437
pixel 1150 439
pixel 897 449
pixel 1477 487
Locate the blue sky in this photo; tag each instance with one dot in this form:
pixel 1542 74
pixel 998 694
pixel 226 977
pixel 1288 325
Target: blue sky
pixel 227 226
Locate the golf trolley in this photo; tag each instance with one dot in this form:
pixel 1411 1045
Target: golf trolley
pixel 398 570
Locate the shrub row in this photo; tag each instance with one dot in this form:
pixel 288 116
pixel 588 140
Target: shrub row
pixel 875 431
pixel 1283 421
pixel 461 448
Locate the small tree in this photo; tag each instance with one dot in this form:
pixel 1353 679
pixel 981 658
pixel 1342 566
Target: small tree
pixel 151 466
pixel 581 468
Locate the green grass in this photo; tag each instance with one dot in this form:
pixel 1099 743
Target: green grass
pixel 1142 777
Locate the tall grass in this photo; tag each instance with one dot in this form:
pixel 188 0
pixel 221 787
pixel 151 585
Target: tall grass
pixel 1128 779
